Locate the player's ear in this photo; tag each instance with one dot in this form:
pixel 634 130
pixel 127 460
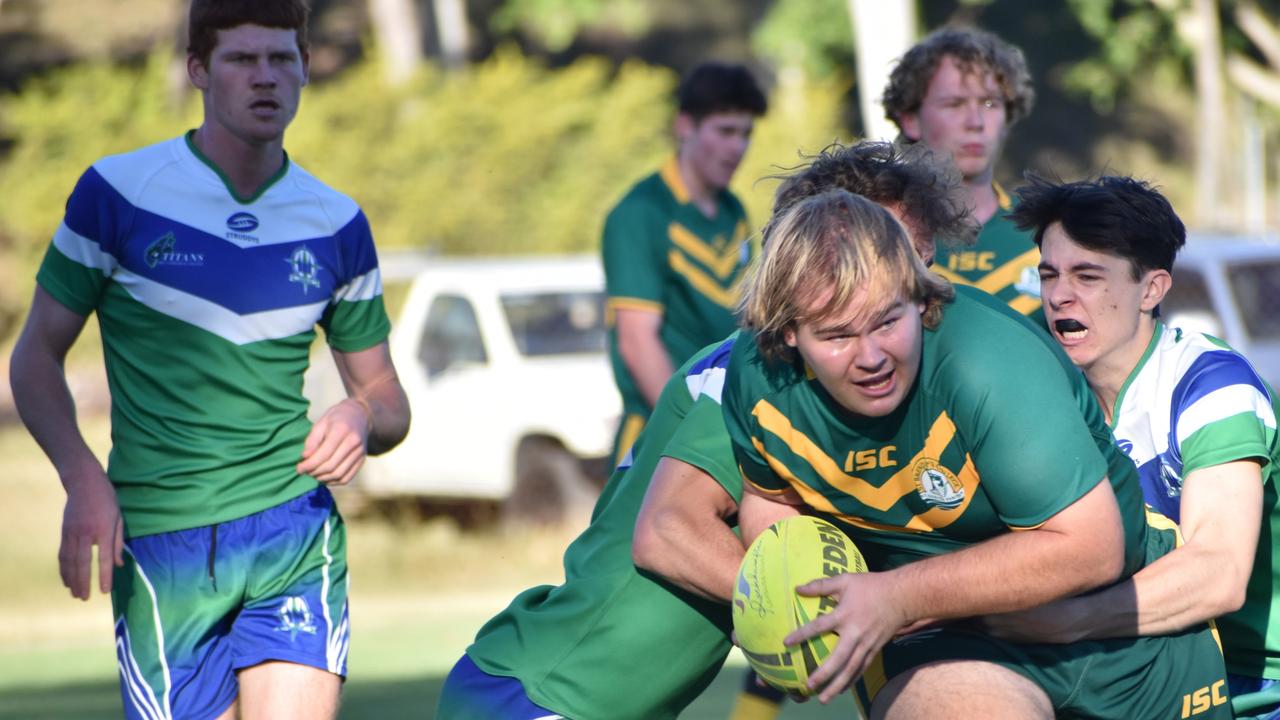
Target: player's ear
pixel 909 123
pixel 1156 284
pixel 684 126
pixel 789 336
pixel 197 72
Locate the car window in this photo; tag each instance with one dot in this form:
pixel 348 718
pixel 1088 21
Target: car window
pixel 452 336
pixel 556 323
pixel 1256 287
pixel 1188 304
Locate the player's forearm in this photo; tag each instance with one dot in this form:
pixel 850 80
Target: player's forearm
pixel 647 361
pixel 1007 573
pixel 388 408
pixel 700 555
pixel 43 400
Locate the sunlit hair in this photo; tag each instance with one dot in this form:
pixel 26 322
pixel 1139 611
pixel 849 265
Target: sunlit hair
pixel 825 249
pixel 207 17
pixel 972 49
pixel 925 185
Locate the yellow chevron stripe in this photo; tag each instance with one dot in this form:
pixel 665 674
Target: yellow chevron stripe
pixel 1008 274
pixel 703 283
pixel 722 264
pixel 670 175
pixel 948 275
pixel 1002 197
pixel 1025 304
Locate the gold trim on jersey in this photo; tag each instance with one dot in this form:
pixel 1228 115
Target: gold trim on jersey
pixel 723 262
pixel 613 304
pixel 1008 273
pixel 670 174
pixel 630 429
pixel 1002 197
pixel 703 283
pixel 1025 304
pixel 881 498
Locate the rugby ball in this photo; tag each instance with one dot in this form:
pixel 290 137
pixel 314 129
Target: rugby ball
pixel 766 607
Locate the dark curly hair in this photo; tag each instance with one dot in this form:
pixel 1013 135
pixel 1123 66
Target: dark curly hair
pixel 972 49
pixel 207 17
pixel 924 184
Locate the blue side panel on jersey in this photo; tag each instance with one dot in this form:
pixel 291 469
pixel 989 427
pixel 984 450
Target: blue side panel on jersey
pixel 355 243
pixel 97 211
pixel 718 358
pixel 1209 372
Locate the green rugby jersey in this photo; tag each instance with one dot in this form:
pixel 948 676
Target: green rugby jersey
pixel 957 463
pixel 611 641
pixel 208 305
pixel 1004 262
pixel 663 255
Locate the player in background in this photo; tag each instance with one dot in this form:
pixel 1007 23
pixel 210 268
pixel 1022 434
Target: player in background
pixel 573 649
pixel 1192 413
pixel 675 247
pixel 209 260
pixel 860 353
pixel 960 91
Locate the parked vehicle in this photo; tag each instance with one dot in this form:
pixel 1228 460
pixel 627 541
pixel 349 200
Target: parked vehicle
pixel 512 396
pixel 1229 286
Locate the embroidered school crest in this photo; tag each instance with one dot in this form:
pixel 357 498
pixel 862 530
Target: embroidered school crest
pixel 937 485
pixel 304 268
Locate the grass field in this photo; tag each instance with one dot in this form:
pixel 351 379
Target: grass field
pixel 420 590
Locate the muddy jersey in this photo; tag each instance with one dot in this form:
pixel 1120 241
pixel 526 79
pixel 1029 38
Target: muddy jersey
pixel 208 305
pixel 1191 403
pixel 957 463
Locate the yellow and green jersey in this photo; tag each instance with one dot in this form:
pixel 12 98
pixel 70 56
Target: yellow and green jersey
pixel 994 437
pixel 1004 262
pixel 663 255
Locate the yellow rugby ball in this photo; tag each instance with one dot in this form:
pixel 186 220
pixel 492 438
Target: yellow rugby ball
pixel 766 607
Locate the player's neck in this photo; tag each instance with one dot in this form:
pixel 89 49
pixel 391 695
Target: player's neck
pixel 245 166
pixel 983 202
pixel 1108 375
pixel 701 194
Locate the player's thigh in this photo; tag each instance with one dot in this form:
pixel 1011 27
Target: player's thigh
pixel 295 610
pixel 470 692
pixel 171 626
pixel 961 689
pixel 284 691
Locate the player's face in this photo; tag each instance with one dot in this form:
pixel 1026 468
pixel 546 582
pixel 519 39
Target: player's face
pixel 252 83
pixel 1093 305
pixel 867 356
pixel 714 146
pixel 962 114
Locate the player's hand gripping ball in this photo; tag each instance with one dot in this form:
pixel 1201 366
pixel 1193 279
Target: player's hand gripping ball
pixel 766 607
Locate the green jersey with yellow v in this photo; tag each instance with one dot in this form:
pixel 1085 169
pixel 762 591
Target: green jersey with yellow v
pixel 993 437
pixel 662 254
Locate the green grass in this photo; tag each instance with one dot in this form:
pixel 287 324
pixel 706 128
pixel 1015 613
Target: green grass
pixel 420 590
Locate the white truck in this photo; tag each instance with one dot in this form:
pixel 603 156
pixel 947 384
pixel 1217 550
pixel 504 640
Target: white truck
pixel 508 379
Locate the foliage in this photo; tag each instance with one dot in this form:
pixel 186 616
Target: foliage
pixel 813 35
pixel 505 157
pixel 557 22
pixel 1137 38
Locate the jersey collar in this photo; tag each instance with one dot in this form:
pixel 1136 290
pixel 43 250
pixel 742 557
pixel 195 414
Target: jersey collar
pixel 284 169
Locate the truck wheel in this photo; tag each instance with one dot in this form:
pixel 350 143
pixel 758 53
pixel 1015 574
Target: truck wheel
pixel 550 485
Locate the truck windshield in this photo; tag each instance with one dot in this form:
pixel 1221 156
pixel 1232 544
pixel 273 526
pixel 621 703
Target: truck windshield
pixel 556 323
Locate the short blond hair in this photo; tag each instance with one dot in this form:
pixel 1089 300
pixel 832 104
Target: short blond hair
pixel 835 244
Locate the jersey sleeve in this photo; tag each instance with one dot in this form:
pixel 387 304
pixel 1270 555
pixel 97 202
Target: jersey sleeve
pixel 83 254
pixel 1223 412
pixel 356 318
pixel 1034 453
pixel 744 388
pixel 632 252
pixel 701 439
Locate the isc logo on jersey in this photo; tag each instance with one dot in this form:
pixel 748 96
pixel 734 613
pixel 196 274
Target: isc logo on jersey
pixel 766 607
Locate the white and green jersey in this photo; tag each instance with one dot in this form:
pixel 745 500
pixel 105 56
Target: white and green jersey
pixel 1191 403
pixel 208 304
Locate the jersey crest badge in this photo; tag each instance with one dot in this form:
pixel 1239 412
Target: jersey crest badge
pixel 303 269
pixel 937 485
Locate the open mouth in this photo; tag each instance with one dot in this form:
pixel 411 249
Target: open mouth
pixel 1070 329
pixel 264 105
pixel 876 384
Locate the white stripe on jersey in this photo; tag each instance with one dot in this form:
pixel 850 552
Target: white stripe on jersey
pixel 709 382
pixel 1221 404
pixel 82 249
pixel 212 317
pixel 166 179
pixel 366 287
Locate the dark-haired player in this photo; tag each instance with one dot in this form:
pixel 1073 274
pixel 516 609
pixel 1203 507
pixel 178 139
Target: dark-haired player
pixel 209 260
pixel 675 246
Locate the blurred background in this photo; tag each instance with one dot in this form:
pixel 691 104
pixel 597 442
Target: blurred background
pixel 490 129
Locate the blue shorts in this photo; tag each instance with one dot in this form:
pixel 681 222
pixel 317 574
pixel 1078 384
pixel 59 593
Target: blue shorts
pixel 470 693
pixel 193 607
pixel 1242 686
